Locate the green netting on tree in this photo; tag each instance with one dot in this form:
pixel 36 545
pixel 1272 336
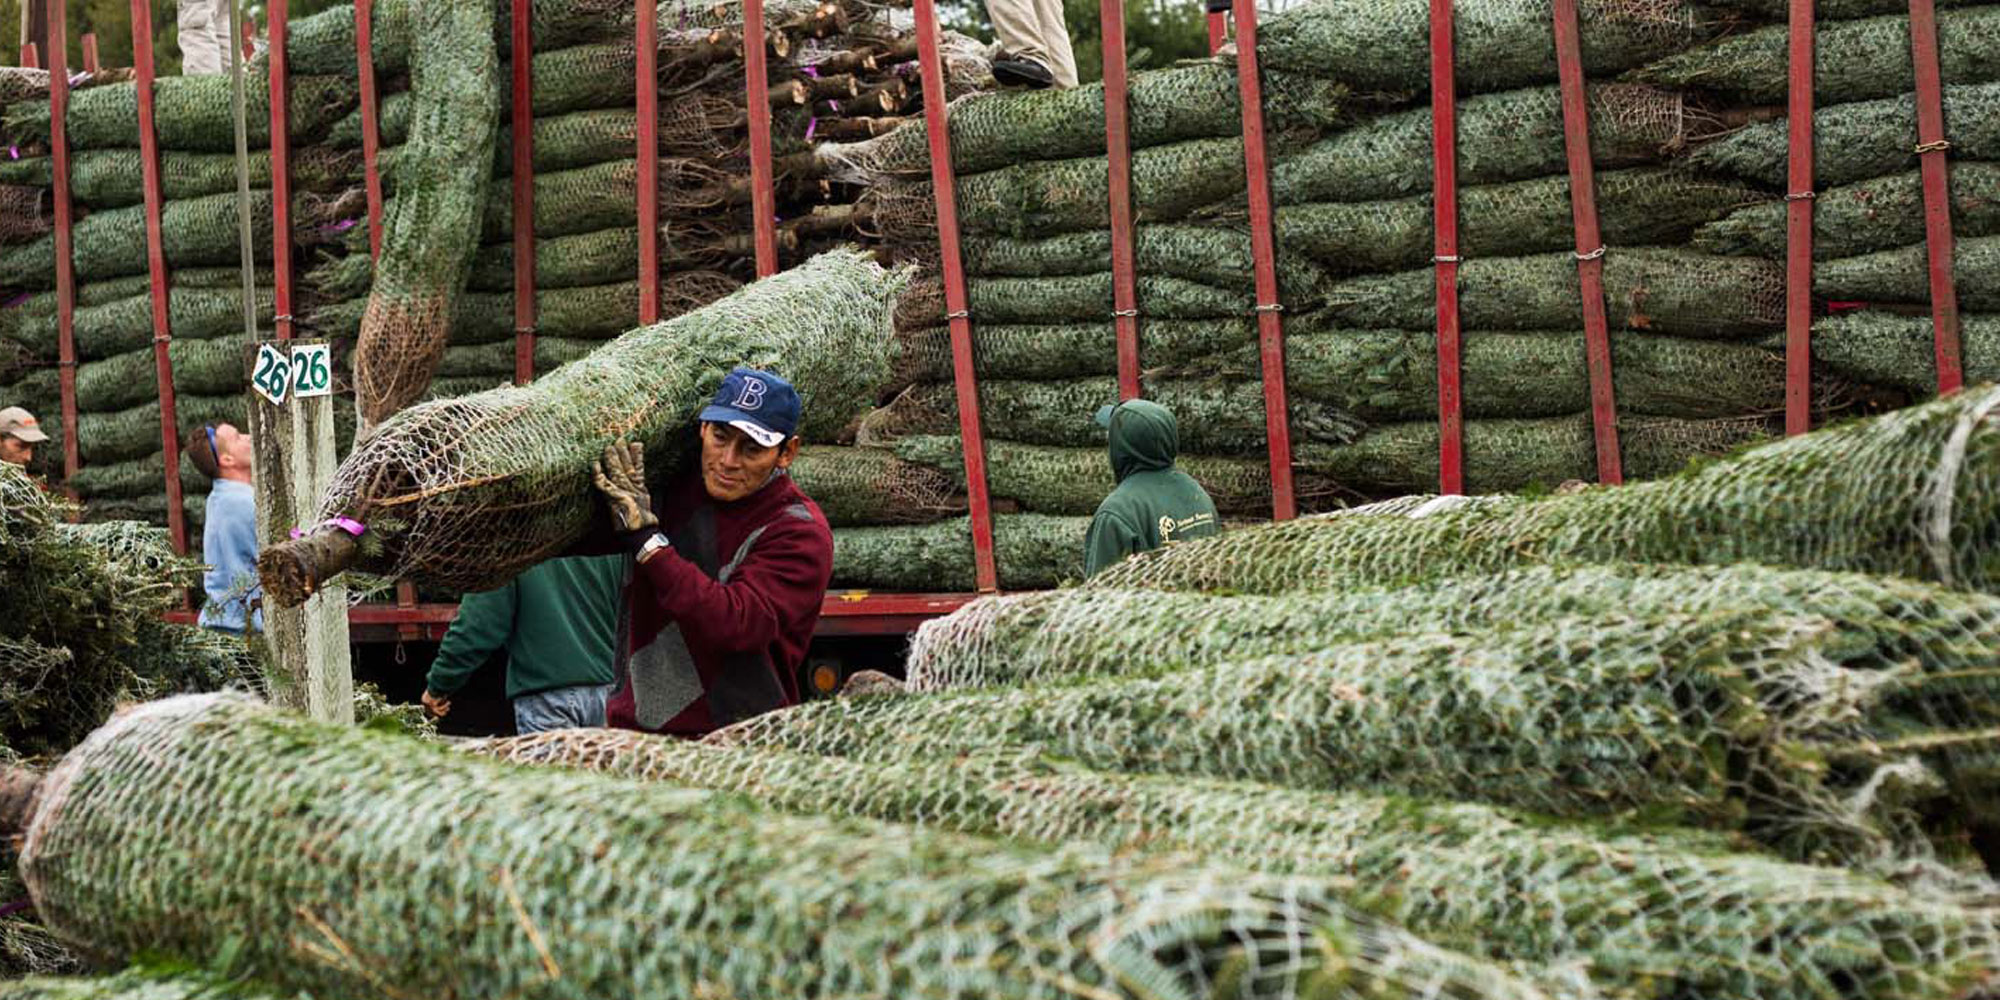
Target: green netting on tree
pixel 856 486
pixel 20 82
pixel 1836 10
pixel 600 197
pixel 1642 206
pixel 1214 254
pixel 135 432
pixel 1041 198
pixel 577 78
pixel 1659 291
pixel 1390 375
pixel 134 478
pixel 1853 142
pixel 1033 638
pixel 431 230
pixel 1863 217
pixel 1065 350
pixel 429 482
pixel 83 592
pixel 916 914
pixel 111 178
pixel 1900 351
pixel 1509 455
pixel 1664 912
pixel 1070 297
pixel 1510 136
pixel 498 359
pixel 1852 60
pixel 560 262
pixel 324 42
pixel 1216 416
pixel 134 985
pixel 1908 493
pixel 25 213
pixel 1782 727
pixel 687 275
pixel 1075 480
pixel 1029 551
pixel 561 142
pixel 121 325
pixel 595 312
pixel 1903 275
pixel 190 113
pixel 1372 46
pixel 150 509
pixel 1199 101
pixel 201 367
pixel 196 232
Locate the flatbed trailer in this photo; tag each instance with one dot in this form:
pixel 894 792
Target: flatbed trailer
pixel 866 613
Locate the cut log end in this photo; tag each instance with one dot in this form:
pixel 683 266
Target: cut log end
pixel 18 786
pixel 294 570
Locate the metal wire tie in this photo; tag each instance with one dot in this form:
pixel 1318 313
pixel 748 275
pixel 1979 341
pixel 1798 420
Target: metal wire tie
pixel 524 330
pixel 960 314
pixel 71 363
pixel 1447 259
pixel 1801 196
pixel 163 338
pixel 1270 307
pixel 282 318
pixel 1593 255
pixel 1934 147
pixel 1115 313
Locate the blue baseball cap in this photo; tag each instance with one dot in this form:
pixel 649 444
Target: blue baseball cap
pixel 757 403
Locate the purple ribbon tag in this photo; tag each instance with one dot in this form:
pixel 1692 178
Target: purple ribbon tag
pixel 15 907
pixel 811 71
pixel 812 124
pixel 15 301
pixel 13 152
pixel 347 524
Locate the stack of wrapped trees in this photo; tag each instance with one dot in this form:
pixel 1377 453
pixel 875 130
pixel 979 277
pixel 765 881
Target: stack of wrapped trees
pixel 121 474
pixel 1689 170
pixel 837 71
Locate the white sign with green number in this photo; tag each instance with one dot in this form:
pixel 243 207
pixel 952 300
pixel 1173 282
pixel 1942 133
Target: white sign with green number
pixel 312 371
pixel 272 375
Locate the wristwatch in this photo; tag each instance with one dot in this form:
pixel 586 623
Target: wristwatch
pixel 653 544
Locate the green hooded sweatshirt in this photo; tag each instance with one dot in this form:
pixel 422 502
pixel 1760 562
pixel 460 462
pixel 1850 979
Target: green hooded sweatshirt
pixel 1154 503
pixel 558 623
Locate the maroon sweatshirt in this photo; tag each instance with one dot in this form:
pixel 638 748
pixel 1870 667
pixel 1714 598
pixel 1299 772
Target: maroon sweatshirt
pixel 714 629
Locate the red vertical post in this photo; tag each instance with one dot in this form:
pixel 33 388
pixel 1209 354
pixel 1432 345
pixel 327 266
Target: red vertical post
pixel 757 87
pixel 647 39
pixel 90 52
pixel 523 120
pixel 1264 255
pixel 1218 30
pixel 964 373
pixel 1444 255
pixel 1931 148
pixel 31 56
pixel 156 264
pixel 1799 220
pixel 1118 144
pixel 57 42
pixel 275 27
pixel 371 135
pixel 1589 242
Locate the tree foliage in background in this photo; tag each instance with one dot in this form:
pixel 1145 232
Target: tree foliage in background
pixel 1157 32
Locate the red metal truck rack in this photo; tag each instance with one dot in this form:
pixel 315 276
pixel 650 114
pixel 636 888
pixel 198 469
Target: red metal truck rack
pixel 868 613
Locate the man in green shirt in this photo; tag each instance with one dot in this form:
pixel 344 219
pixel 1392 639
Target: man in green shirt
pixel 558 623
pixel 1154 503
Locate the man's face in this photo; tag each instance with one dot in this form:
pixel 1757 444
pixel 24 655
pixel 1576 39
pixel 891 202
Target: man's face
pixel 733 466
pixel 232 447
pixel 15 451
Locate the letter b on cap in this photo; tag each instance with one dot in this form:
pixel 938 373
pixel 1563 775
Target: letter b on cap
pixel 751 396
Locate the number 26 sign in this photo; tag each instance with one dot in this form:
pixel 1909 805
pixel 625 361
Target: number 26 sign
pixel 303 371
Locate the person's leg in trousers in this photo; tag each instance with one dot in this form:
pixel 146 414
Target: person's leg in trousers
pixel 200 55
pixel 1018 26
pixel 1055 41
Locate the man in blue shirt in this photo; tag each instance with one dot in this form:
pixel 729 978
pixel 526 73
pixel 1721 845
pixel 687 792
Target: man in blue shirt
pixel 229 529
